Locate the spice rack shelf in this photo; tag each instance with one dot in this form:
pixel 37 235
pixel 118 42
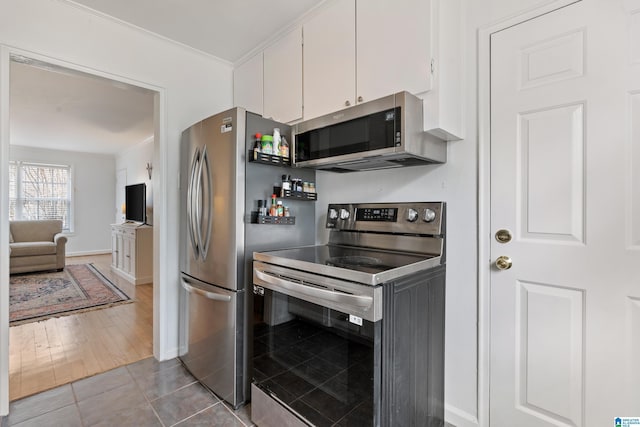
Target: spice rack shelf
pixel 268 159
pixel 275 220
pixel 299 195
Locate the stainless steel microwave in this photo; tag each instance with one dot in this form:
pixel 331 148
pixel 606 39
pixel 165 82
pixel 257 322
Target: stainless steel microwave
pixel 380 134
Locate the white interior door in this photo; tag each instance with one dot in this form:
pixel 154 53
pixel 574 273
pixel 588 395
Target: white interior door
pixel 565 182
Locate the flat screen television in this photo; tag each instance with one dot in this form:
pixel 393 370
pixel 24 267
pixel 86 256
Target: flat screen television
pixel 136 202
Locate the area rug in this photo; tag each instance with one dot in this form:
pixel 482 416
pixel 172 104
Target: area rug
pixel 79 287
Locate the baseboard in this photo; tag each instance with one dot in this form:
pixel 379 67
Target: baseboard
pixel 88 253
pixel 169 354
pixel 459 418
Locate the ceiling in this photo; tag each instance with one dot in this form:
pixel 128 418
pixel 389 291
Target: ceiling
pixel 58 108
pixel 228 29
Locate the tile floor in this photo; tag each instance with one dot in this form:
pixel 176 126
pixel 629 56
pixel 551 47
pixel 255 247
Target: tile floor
pixel 145 393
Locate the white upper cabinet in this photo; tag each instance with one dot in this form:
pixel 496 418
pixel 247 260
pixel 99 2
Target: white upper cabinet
pixel 248 85
pixel 443 106
pixel 393 47
pixel 360 50
pixel 283 78
pixel 329 59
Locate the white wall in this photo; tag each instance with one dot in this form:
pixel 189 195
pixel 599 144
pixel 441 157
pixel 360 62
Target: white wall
pixel 93 195
pixel 455 182
pixel 196 86
pixel 191 86
pixel 134 161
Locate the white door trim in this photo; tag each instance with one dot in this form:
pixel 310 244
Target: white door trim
pixel 484 193
pixel 4 230
pixel 160 305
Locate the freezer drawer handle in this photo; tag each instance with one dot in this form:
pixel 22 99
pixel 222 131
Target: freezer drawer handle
pixel 280 284
pixel 210 295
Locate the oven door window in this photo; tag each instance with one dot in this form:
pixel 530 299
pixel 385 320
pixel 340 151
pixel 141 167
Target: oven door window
pixel 315 360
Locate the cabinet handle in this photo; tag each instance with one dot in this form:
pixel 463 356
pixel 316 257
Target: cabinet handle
pixel 360 99
pixel 347 103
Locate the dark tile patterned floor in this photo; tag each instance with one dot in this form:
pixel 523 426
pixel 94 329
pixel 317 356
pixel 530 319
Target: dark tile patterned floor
pixel 146 393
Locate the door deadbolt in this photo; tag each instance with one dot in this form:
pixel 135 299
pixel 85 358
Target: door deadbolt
pixel 503 262
pixel 503 236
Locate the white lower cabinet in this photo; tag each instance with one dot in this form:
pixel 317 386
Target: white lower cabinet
pixel 132 252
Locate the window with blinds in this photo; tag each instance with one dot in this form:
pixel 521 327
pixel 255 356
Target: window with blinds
pixel 38 191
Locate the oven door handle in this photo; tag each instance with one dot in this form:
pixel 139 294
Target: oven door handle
pixel 279 284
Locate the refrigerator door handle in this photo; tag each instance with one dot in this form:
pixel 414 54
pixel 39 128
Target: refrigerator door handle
pixel 190 203
pixel 208 212
pixel 206 294
pixel 198 215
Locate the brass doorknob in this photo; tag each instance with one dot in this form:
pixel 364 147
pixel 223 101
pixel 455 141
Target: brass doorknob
pixel 503 262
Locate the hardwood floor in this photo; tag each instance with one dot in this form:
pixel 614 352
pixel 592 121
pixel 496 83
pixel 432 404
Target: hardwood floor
pixel 57 351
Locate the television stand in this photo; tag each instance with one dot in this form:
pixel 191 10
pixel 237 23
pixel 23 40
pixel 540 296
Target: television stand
pixel 132 252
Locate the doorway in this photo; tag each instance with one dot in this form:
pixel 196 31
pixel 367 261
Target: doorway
pixel 563 285
pixel 67 371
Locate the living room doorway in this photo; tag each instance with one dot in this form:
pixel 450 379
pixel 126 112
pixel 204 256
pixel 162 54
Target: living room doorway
pixel 47 353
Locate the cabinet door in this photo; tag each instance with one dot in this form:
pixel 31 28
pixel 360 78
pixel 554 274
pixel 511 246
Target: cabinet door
pixel 393 47
pixel 133 250
pixel 128 249
pixel 330 59
pixel 114 248
pixel 283 78
pixel 120 245
pixel 248 85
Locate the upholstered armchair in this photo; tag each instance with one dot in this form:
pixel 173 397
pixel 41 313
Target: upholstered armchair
pixel 36 246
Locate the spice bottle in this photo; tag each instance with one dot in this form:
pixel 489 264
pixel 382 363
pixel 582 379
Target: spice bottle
pixel 257 146
pixel 274 207
pixel 284 147
pixel 280 208
pixel 286 185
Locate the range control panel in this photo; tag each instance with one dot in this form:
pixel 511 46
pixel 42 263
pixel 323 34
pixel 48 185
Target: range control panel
pixel 377 214
pixel 407 218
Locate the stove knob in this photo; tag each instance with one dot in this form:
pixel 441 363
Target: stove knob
pixel 412 215
pixel 344 214
pixel 333 214
pixel 429 215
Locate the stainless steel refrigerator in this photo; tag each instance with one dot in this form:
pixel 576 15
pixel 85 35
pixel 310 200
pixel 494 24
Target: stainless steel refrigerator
pixel 219 190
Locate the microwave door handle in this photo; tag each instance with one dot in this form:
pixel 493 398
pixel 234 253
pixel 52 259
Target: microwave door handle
pixel 284 286
pixel 208 211
pixel 190 203
pixel 209 295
